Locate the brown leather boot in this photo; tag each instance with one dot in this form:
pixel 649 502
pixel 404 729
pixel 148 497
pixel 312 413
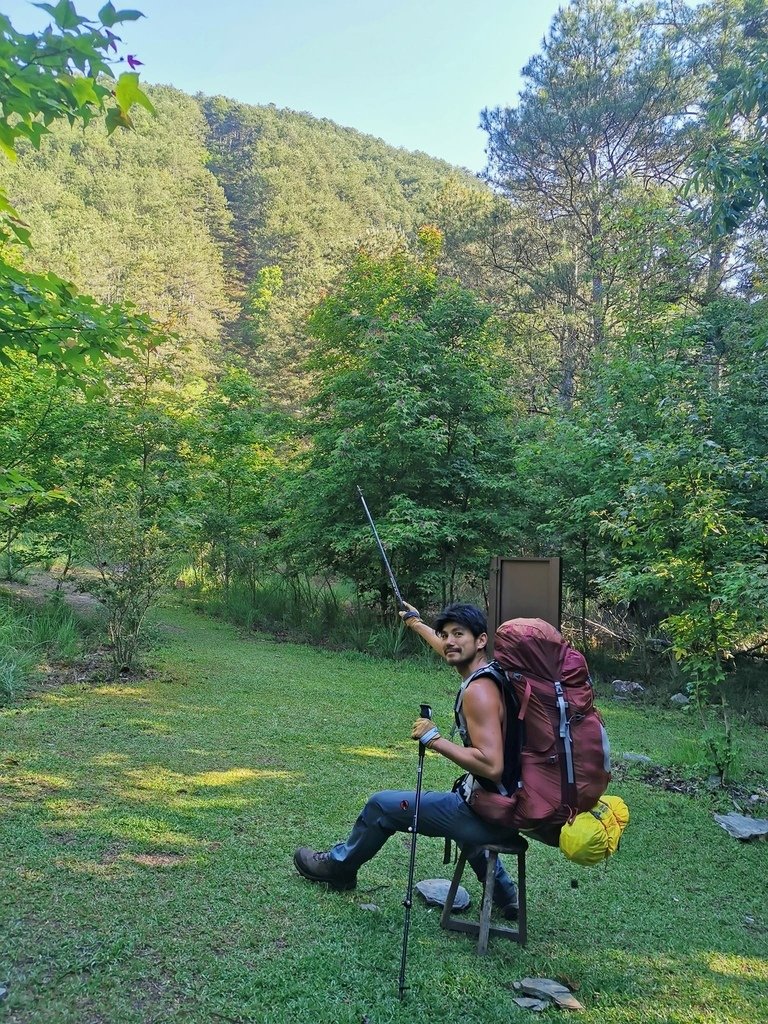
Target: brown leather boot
pixel 318 867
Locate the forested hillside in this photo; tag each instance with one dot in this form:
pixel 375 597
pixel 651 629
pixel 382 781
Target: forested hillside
pixel 567 357
pixel 211 209
pixel 134 217
pixel 303 194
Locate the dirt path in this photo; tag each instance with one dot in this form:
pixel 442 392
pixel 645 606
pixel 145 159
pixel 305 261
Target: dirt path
pixel 43 585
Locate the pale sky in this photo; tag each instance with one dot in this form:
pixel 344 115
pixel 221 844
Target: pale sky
pixel 415 73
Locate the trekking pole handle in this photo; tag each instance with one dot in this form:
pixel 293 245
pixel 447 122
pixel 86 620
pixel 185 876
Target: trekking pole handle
pixel 426 711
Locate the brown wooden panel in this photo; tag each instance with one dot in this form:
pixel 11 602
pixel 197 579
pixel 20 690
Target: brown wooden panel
pixel 528 588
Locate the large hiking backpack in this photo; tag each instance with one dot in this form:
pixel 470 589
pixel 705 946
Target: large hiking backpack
pixel 556 762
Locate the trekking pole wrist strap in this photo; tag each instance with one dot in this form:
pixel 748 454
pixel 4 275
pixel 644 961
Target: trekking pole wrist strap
pixel 411 615
pixel 433 734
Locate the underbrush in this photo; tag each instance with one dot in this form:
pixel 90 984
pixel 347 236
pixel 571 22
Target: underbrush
pixel 745 691
pixel 319 615
pixel 30 636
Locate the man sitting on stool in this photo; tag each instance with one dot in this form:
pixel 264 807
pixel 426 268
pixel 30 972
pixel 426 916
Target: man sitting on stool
pixel 460 635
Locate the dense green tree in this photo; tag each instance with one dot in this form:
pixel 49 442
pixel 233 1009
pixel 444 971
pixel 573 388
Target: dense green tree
pixel 28 403
pixel 412 406
pixel 235 464
pixel 600 111
pixel 60 74
pixel 685 542
pixel 130 439
pixel 729 166
pixel 134 217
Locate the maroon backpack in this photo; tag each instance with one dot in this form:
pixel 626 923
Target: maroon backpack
pixel 557 761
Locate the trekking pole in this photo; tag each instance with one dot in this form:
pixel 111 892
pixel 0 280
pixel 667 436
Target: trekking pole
pixel 426 712
pixel 382 552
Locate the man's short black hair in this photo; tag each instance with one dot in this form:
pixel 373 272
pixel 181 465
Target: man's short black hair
pixel 468 615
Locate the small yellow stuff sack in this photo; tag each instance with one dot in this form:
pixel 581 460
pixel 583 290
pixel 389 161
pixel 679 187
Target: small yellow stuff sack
pixel 594 835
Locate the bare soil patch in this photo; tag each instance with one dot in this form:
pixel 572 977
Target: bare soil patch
pixel 41 586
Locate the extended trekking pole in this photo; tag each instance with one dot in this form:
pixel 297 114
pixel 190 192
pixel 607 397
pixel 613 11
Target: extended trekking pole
pixel 382 552
pixel 426 712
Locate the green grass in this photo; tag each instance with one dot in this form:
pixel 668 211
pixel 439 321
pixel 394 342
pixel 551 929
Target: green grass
pixel 147 837
pixel 30 637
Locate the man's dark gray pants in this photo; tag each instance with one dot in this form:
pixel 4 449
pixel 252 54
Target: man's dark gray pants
pixel 440 814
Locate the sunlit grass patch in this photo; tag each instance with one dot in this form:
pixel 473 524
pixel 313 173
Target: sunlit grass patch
pixel 385 755
pixel 119 690
pixel 69 810
pixel 739 967
pixel 110 759
pixel 29 786
pixel 236 775
pixel 146 829
pixel 68 696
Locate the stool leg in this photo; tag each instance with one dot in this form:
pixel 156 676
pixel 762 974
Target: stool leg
pixel 448 908
pixel 522 914
pixel 485 913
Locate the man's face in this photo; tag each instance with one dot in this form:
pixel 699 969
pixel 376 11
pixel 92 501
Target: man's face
pixel 460 647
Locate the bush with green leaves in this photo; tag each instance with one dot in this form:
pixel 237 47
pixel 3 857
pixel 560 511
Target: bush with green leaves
pixel 136 560
pixel 686 545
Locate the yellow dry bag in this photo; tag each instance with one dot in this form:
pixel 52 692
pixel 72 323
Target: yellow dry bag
pixel 594 835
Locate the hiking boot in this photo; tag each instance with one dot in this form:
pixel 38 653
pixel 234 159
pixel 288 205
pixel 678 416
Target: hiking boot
pixel 506 902
pixel 509 911
pixel 319 867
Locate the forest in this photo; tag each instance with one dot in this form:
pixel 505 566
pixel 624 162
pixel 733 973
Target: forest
pixel 217 324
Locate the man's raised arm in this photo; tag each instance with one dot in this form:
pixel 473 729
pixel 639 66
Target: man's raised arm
pixel 414 621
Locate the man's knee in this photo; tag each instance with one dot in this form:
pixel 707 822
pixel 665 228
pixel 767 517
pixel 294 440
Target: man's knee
pixel 389 809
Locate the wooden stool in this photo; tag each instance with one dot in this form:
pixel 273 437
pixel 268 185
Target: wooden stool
pixel 483 928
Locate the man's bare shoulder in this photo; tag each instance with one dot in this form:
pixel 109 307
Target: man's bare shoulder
pixel 482 694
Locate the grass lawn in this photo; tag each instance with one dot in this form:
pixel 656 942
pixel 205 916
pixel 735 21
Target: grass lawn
pixel 148 828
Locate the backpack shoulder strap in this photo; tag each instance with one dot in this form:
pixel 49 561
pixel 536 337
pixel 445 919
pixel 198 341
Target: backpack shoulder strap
pixel 499 676
pixel 492 669
pixel 512 738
